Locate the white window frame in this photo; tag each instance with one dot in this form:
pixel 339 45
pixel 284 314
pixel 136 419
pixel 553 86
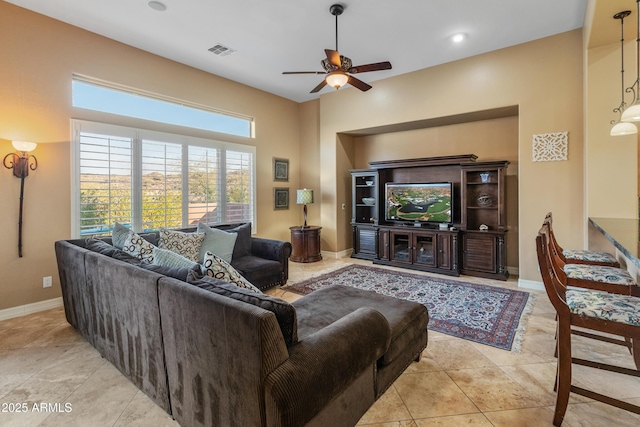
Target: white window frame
pixel 137 135
pixel 160 102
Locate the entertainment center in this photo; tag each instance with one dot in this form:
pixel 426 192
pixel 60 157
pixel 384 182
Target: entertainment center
pixel 439 214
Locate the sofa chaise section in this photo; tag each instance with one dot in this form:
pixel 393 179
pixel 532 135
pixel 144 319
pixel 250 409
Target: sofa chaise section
pixel 214 343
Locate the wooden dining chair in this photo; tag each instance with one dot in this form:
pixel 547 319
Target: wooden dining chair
pixel 579 256
pixel 613 312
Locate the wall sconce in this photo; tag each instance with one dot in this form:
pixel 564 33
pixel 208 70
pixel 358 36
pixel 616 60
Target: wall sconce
pixel 21 163
pixel 304 197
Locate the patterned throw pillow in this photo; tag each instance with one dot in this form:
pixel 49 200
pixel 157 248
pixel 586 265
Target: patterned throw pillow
pixel 217 242
pixel 216 267
pixel 168 258
pixel 119 235
pixel 137 247
pixel 186 244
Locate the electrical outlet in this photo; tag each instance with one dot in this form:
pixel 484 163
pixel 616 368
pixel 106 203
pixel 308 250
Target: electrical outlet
pixel 46 282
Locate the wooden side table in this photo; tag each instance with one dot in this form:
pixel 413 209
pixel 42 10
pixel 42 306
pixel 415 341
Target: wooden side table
pixel 306 244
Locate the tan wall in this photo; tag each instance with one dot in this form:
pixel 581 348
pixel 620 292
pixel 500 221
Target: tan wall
pixel 543 77
pixel 495 139
pixel 39 56
pixel 611 161
pixel 309 155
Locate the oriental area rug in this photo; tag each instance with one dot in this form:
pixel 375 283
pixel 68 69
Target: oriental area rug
pixel 485 314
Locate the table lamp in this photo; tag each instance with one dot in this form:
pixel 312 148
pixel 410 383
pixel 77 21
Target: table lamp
pixel 304 197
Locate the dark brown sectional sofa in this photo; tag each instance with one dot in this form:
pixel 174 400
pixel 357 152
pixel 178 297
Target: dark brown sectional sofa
pixel 213 354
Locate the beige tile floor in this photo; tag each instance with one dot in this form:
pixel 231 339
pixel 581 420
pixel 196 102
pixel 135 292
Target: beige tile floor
pixel 457 382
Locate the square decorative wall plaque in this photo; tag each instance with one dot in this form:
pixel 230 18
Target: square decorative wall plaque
pixel 281 198
pixel 550 147
pixel 281 169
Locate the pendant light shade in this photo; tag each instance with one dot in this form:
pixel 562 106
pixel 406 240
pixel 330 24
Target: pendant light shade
pixel 632 114
pixel 623 128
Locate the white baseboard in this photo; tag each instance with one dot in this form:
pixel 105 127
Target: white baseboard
pixel 337 255
pixel 23 310
pixel 513 270
pixel 531 284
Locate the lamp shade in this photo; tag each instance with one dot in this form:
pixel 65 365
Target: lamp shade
pixel 337 79
pixel 631 114
pixel 623 128
pixel 24 146
pixel 304 197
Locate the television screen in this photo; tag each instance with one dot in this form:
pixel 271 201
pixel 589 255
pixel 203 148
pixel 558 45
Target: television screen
pixel 427 202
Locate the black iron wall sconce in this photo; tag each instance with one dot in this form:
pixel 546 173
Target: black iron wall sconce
pixel 21 163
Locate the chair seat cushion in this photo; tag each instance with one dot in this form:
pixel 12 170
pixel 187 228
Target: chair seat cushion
pixel 590 256
pixel 602 305
pixel 598 273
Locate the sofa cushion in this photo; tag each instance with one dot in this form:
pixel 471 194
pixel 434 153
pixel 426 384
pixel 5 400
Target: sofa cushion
pixel 179 273
pixel 243 242
pixel 407 320
pixel 216 241
pixel 254 268
pixel 104 248
pixel 285 312
pixel 216 267
pixel 186 244
pixel 138 247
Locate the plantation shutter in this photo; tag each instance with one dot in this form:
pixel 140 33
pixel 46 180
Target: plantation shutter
pixel 161 198
pixel 204 185
pixel 239 187
pixel 149 180
pixel 105 182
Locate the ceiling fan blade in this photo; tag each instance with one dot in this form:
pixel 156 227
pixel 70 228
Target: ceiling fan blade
pixel 304 72
pixel 322 84
pixel 358 83
pixel 378 66
pixel 333 56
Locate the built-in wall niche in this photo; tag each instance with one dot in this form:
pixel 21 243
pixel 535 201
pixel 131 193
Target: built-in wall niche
pixel 491 135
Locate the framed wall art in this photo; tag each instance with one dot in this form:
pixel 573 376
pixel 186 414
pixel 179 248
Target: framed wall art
pixel 280 198
pixel 280 169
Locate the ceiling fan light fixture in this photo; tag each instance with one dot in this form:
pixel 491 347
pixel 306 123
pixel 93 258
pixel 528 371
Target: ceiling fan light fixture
pixel 337 79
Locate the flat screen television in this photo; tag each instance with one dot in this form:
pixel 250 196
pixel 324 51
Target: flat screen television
pixel 430 202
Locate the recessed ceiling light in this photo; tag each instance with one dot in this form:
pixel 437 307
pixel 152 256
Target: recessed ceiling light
pixel 458 38
pixel 156 5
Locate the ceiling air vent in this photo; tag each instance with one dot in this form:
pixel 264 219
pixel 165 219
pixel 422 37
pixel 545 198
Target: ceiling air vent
pixel 221 50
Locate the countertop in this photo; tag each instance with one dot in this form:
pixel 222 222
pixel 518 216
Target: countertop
pixel 623 233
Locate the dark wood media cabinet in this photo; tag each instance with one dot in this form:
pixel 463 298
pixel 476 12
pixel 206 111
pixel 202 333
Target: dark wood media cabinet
pixel 478 199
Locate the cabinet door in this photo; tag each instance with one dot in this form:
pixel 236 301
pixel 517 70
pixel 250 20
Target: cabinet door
pixel 479 252
pixel 383 244
pixel 400 247
pixel 444 251
pixel 365 242
pixel 425 249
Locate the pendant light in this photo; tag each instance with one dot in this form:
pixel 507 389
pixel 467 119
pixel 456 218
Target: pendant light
pixel 622 128
pixel 632 114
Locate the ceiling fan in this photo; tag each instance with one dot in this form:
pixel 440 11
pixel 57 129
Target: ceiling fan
pixel 337 66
